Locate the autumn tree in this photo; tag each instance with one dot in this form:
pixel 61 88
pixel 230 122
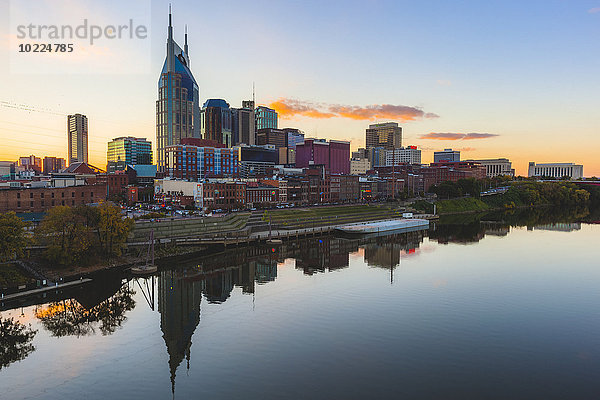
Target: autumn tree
pixel 112 229
pixel 12 236
pixel 66 234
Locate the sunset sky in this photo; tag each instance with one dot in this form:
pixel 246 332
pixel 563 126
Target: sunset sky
pixel 493 79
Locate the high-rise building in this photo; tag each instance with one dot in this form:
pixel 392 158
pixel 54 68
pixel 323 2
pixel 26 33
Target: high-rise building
pixel 556 170
pixel 216 121
pixel 131 150
pixel 178 104
pixel 243 124
pixel 387 135
pixel 404 155
pixel 276 137
pixel 77 130
pixel 448 155
pixel 265 118
pixel 53 164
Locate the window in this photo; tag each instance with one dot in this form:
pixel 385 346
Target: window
pixel 42 195
pixel 31 195
pixel 18 195
pixel 72 202
pixel 82 194
pixel 52 197
pixel 52 200
pixel 63 195
pixel 31 204
pixel 72 194
pixel 18 204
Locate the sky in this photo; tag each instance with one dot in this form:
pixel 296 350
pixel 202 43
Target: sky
pixel 493 79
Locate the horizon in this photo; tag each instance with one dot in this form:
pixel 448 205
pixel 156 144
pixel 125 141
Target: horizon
pixel 490 80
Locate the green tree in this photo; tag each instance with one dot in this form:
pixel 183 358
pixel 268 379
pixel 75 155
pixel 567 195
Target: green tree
pixel 12 236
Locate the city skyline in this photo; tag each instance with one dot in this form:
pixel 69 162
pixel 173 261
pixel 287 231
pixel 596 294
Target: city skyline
pixel 485 89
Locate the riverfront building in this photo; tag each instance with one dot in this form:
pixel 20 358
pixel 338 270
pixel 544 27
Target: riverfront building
pixel 387 135
pixel 496 167
pixel 556 170
pixel 178 104
pixel 77 132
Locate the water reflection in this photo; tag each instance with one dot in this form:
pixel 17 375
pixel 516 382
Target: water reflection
pixel 182 284
pixel 15 341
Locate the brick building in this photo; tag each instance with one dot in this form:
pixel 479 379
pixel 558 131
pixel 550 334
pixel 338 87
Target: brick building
pixel 41 199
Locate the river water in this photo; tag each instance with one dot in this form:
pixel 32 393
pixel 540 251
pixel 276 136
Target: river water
pixel 492 306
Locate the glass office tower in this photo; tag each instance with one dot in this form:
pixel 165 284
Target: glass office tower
pixel 178 104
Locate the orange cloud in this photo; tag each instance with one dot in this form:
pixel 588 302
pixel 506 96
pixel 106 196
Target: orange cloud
pixel 290 107
pixel 456 136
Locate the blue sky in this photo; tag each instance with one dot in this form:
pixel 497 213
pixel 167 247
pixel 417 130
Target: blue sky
pixel 525 71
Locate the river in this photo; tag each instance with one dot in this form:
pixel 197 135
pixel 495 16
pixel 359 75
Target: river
pixel 493 306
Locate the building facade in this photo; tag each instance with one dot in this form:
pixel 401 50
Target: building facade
pixel 178 104
pixel 53 164
pixel 244 124
pixel 448 155
pixel 334 155
pixel 131 150
pixel 266 118
pixel 497 167
pixel 294 137
pixel 387 135
pixel 359 166
pixel 216 122
pixel 195 162
pixel 404 155
pixel 77 132
pixel 40 199
pixel 556 170
pixel 272 136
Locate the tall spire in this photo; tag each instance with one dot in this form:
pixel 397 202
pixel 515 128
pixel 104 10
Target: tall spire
pixel 185 46
pixel 170 45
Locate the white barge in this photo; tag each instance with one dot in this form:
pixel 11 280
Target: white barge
pixel 385 226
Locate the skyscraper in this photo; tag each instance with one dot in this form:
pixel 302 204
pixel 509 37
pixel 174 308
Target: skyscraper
pixel 178 104
pixel 216 121
pixel 387 135
pixel 243 124
pixel 77 130
pixel 131 150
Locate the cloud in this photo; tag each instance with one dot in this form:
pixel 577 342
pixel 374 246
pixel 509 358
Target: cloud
pixel 456 136
pixel 594 10
pixel 288 108
pixel 444 82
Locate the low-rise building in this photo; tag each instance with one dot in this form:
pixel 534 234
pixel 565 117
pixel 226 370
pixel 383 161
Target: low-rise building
pixel 496 167
pixel 556 170
pixel 40 199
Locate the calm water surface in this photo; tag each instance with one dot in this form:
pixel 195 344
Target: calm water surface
pixel 474 308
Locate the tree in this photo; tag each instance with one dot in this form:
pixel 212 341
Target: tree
pixel 67 235
pixel 12 236
pixel 112 229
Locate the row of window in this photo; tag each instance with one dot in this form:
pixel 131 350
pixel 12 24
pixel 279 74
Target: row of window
pixel 42 195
